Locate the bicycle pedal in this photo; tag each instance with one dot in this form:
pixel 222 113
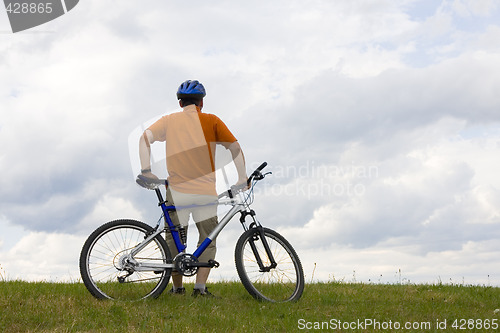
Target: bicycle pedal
pixel 213 263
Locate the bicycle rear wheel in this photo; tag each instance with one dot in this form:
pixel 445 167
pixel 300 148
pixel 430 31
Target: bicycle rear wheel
pixel 282 283
pixel 104 268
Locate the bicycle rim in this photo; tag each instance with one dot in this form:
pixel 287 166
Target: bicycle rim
pixel 104 267
pixel 280 284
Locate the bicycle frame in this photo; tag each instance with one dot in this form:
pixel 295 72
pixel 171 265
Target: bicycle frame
pixel 239 206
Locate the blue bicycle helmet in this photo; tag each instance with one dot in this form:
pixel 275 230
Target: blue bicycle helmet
pixel 191 89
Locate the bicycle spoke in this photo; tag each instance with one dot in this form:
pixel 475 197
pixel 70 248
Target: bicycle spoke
pixel 105 267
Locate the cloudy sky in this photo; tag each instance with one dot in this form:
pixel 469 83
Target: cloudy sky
pixel 379 119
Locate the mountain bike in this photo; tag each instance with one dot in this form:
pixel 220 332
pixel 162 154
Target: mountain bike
pixel 130 260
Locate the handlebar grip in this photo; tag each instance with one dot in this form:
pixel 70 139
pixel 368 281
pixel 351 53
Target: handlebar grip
pixel 262 166
pixel 256 172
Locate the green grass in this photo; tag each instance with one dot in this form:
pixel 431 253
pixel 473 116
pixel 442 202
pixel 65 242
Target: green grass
pixel 58 307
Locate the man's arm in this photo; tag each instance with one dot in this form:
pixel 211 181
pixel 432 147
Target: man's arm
pixel 145 153
pixel 239 162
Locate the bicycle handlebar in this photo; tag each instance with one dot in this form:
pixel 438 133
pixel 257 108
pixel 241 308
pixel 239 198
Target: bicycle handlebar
pixel 256 173
pixel 152 183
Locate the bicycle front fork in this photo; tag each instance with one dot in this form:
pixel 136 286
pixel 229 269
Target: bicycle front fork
pixel 258 234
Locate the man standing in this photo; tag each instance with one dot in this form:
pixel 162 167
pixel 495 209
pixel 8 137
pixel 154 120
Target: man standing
pixel 190 138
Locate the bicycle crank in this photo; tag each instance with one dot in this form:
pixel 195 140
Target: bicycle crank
pixel 188 265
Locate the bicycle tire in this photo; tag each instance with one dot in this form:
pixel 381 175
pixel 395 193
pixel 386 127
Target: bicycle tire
pixel 100 265
pixel 281 284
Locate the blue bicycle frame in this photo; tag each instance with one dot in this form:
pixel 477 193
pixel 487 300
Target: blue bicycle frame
pixel 238 207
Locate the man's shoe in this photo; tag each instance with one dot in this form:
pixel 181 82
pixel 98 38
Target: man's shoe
pixel 178 291
pixel 202 293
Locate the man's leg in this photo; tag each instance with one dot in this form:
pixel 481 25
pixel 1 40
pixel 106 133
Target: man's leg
pixel 202 277
pixel 205 227
pixel 174 216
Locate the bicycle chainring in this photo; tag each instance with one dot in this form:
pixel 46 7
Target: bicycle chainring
pixel 182 264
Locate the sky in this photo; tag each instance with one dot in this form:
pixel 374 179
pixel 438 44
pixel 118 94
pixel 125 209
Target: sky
pixel 380 121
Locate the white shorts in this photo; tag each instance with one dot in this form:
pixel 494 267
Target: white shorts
pixel 206 211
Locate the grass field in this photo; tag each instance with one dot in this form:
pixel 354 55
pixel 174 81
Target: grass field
pixel 349 307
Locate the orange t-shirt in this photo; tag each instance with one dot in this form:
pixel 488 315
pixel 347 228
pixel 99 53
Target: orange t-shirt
pixel 190 138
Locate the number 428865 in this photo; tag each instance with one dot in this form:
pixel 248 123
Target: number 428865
pixel 478 324
pixel 29 7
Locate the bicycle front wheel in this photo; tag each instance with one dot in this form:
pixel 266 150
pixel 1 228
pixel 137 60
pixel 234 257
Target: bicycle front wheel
pixel 261 278
pixel 105 267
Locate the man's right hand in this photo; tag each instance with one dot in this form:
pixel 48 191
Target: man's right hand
pixel 148 180
pixel 149 174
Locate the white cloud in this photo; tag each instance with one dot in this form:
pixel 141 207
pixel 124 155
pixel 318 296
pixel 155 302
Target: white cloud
pixel 109 208
pixel 436 197
pixel 473 263
pixel 474 7
pixel 43 256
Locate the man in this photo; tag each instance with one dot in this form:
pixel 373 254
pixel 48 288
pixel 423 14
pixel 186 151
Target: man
pixel 190 138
